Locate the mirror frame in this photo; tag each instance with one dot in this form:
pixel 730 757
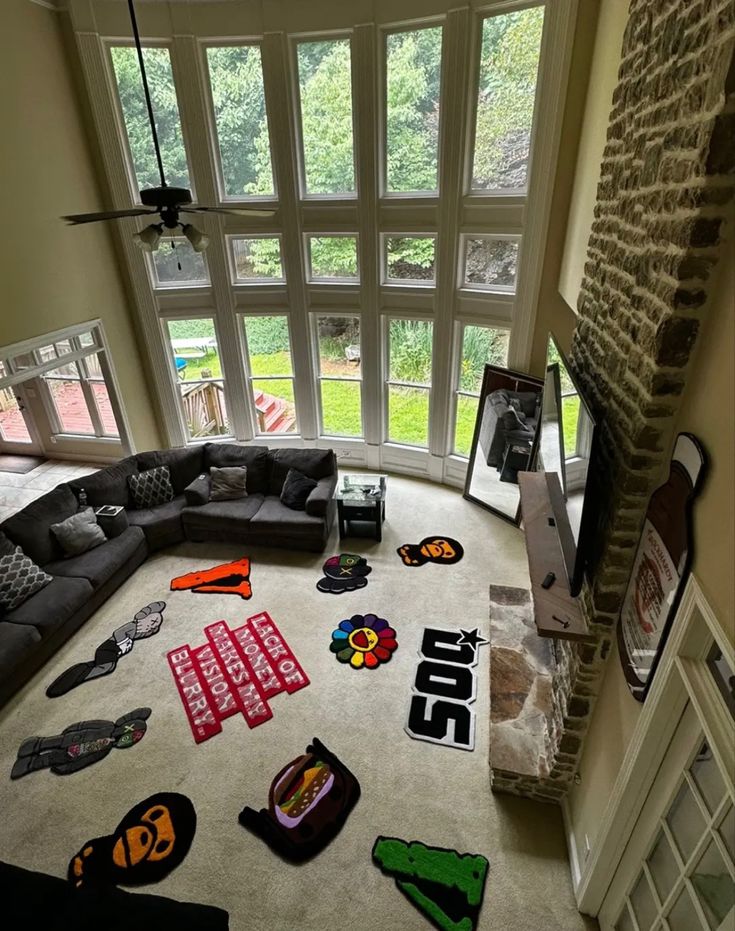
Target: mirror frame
pixel 532 382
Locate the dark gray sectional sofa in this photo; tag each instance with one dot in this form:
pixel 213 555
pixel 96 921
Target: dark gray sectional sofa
pixel 32 632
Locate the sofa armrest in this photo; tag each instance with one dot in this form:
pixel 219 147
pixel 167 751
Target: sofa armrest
pixel 319 498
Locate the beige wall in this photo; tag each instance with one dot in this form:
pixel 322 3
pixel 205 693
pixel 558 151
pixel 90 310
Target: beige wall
pixel 602 81
pixel 54 275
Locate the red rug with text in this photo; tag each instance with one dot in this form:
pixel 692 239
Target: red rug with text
pixel 234 672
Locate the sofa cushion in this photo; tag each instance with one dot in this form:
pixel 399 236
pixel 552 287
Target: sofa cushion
pixel 228 483
pixel 30 528
pixel 53 605
pixel 317 504
pixel 184 464
pixel 79 533
pixel 274 517
pixel 161 525
pixel 99 564
pixel 231 454
pixel 296 489
pixel 109 485
pixel 20 578
pixel 197 492
pixel 230 515
pixel 17 641
pixel 151 488
pixel 316 463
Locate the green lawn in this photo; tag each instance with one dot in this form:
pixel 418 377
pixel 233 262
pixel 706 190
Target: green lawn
pixel 569 416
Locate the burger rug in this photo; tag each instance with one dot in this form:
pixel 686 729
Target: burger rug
pixel 308 803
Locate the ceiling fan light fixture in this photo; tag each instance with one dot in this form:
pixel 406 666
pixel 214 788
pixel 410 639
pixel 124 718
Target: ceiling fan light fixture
pixel 199 241
pixel 149 239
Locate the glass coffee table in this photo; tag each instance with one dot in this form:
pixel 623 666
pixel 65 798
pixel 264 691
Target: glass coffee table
pixel 361 498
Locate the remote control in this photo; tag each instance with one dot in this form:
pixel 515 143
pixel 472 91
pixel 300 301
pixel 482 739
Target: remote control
pixel 549 580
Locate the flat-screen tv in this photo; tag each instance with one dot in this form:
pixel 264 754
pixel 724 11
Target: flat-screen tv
pixel 566 449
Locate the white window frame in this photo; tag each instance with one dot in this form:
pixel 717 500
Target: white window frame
pixel 464 240
pixel 252 282
pixel 245 356
pixel 386 280
pixel 324 280
pixel 356 379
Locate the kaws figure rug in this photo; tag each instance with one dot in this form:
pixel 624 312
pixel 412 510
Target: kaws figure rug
pixel 308 803
pixel 80 745
pixel 150 841
pixel 145 623
pixel 344 573
pixel 445 885
pixel 231 578
pixel 442 550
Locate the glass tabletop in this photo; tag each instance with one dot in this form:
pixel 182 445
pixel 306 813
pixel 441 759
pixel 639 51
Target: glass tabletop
pixel 361 488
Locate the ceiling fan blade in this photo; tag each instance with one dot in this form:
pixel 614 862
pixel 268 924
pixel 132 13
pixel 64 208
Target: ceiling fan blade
pixel 238 211
pixel 109 215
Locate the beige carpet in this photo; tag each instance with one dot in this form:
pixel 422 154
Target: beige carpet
pixel 410 789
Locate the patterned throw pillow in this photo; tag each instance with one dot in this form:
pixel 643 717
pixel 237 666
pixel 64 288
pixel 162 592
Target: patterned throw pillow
pixel 151 487
pixel 20 578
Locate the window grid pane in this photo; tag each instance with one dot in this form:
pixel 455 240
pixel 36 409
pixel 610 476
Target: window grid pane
pixel 333 257
pixel 410 258
pixel 340 388
pixel 410 351
pixel 238 96
pixel 413 80
pixel 257 259
pixel 275 408
pixel 269 346
pixel 195 355
pixel 176 264
pixel 491 263
pixel 325 92
pixel 165 113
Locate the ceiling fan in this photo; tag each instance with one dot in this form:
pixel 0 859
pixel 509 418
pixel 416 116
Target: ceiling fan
pixel 167 202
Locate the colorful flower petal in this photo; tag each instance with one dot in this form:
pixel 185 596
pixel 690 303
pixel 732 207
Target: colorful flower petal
pixel 389 644
pixel 357 660
pixel 379 624
pixel 383 655
pixel 336 645
pixel 371 660
pixel 387 634
pixel 347 626
pixel 369 620
pixel 344 656
pixel 339 634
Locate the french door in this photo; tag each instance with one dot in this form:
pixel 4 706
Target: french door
pixel 18 433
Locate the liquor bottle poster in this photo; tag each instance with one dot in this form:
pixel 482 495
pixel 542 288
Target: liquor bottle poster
pixel 660 567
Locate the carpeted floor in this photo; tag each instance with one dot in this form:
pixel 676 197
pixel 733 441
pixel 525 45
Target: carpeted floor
pixel 410 789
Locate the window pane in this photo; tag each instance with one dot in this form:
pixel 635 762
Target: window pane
pixel 408 415
pixel 682 916
pixel 176 263
pixel 274 405
pixel 165 112
pixel 333 257
pixel 491 263
pixel 341 408
pixel 625 922
pixel 12 425
pixel 102 396
pixel 339 346
pixel 257 259
pixel 236 79
pixel 727 831
pixel 194 349
pixel 481 345
pixel 410 351
pixel 86 339
pixel 205 411
pixel 46 353
pixel 325 90
pixel 686 822
pixel 269 345
pixel 70 403
pixel 409 258
pixel 663 867
pixel 464 427
pixel 714 886
pixel 63 346
pixel 508 66
pixel 644 907
pixel 413 62
pixel 707 776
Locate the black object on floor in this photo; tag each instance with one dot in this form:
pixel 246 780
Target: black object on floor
pixel 37 900
pixel 80 745
pixel 308 803
pixel 344 573
pixel 150 841
pixel 20 464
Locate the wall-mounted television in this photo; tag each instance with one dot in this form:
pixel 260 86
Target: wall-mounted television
pixel 566 449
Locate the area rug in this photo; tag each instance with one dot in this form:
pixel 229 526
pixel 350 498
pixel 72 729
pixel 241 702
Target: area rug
pixel 346 572
pixel 232 578
pixel 20 464
pixel 308 803
pixel 438 549
pixel 447 886
pixel 151 840
pixel 80 745
pixel 365 642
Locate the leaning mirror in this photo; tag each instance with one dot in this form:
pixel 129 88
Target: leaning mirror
pixel 505 440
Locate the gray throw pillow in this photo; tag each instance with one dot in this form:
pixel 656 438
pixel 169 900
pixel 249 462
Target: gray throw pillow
pixel 151 487
pixel 197 492
pixel 228 483
pixel 79 533
pixel 20 578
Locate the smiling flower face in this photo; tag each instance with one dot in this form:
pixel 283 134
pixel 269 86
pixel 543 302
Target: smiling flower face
pixel 364 641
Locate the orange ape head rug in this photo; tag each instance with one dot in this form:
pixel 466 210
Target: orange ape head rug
pixel 150 841
pixel 438 549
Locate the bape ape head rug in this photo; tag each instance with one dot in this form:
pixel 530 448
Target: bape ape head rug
pixel 145 623
pixel 80 745
pixel 231 578
pixel 445 687
pixel 446 886
pixel 439 549
pixel 150 841
pixel 364 641
pixel 308 803
pixel 344 573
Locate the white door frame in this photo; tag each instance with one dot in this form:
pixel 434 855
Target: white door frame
pixel 682 677
pixel 15 447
